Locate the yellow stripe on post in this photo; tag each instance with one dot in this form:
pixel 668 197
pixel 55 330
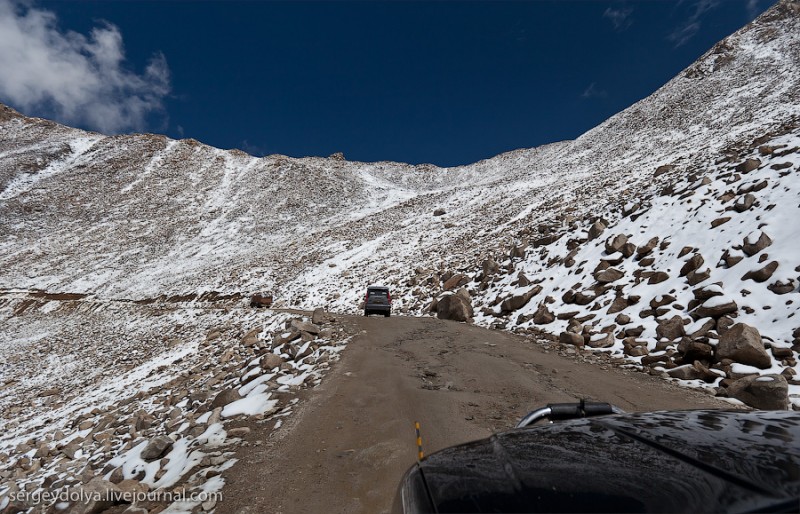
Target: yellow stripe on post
pixel 420 455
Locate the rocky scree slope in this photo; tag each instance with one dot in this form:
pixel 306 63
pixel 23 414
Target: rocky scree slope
pixel 121 399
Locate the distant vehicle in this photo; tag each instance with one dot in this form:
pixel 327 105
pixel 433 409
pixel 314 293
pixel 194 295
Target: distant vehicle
pixel 378 301
pixel 604 460
pixel 261 300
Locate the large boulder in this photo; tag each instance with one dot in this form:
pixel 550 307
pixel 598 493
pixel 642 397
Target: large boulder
pixel 769 392
pixel 742 343
pixel 455 307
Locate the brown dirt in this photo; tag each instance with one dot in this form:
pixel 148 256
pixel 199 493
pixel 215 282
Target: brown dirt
pixel 353 437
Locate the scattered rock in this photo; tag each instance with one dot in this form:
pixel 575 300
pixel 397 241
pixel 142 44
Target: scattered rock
pixel 720 221
pixel 303 326
pixel 646 248
pixel 748 166
pixel 744 202
pixel 658 277
pixel 156 448
pixel 688 372
pixel 608 275
pixel 671 329
pixel 616 243
pixel 620 303
pixel 622 319
pixel 543 316
pixel 691 264
pixel 666 168
pixel 596 229
pixel 695 350
pixel 755 242
pixel 784 287
pixel 225 397
pixel 602 340
pixel 439 212
pixel 571 338
pixel 95 497
pixel 455 281
pixel 251 337
pixel 716 307
pixel 520 300
pixel 763 274
pixel 697 276
pixel 319 317
pixel 271 361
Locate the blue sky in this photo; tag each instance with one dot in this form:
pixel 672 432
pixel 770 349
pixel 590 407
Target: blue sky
pixel 444 82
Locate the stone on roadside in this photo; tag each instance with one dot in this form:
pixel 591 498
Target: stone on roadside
pixel 455 307
pixel 571 338
pixel 543 316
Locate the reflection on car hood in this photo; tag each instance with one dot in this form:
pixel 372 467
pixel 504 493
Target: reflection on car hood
pixel 701 461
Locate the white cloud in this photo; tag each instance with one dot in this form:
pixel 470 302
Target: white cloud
pixel 620 18
pixel 593 92
pixel 74 78
pixel 687 30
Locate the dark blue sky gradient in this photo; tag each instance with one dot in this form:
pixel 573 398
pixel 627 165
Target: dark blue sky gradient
pixel 441 82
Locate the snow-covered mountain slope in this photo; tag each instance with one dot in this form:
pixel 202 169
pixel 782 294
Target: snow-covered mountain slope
pixel 143 216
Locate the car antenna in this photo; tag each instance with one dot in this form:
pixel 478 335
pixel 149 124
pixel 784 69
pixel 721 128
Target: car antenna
pixel 420 454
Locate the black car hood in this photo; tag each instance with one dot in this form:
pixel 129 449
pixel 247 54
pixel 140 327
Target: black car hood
pixel 686 461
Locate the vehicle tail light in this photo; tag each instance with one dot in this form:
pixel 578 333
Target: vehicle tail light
pixel 389 296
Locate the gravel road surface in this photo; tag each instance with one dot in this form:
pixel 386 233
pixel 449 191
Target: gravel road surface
pixel 353 437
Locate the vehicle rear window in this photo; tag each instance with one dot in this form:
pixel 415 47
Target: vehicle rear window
pixel 379 293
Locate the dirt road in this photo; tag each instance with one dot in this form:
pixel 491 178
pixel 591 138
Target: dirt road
pixel 347 448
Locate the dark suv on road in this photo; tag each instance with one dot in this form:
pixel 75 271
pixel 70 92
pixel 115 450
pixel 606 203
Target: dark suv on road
pixel 378 301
